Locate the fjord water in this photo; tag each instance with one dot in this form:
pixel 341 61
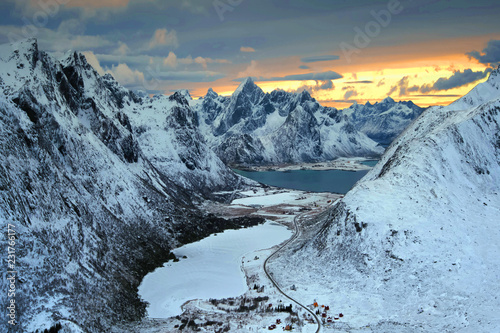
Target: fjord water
pixel 335 181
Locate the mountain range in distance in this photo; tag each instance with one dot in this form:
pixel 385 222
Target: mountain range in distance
pixel 255 128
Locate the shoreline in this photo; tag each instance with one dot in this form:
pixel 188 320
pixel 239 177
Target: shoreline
pixel 344 164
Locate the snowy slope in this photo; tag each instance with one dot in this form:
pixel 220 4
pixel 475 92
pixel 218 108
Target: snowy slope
pixel 415 245
pixel 99 184
pixel 252 127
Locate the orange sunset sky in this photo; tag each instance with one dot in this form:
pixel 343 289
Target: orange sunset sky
pixel 428 51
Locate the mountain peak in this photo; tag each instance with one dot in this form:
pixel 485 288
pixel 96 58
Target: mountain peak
pixel 388 100
pixel 305 95
pixel 494 74
pixel 26 45
pixel 246 84
pixel 25 49
pixel 185 93
pixel 211 94
pixel 179 98
pixel 247 80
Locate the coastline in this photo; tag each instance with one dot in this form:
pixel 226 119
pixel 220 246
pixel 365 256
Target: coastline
pixel 345 164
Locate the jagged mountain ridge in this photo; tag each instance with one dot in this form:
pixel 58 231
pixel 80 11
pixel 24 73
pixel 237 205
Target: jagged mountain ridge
pixel 384 121
pixel 253 127
pixel 99 183
pixel 414 245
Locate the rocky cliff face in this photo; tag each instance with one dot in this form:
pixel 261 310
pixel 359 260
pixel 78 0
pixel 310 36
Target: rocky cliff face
pixel 414 245
pixel 99 185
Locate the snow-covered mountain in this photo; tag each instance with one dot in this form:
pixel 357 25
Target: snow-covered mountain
pixel 253 127
pixel 98 183
pixel 383 121
pixel 415 245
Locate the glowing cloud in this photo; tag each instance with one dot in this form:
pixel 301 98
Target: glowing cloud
pixel 162 37
pixel 247 49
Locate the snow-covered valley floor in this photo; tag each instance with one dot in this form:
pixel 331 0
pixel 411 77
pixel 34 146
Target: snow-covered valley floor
pixel 221 283
pixel 210 268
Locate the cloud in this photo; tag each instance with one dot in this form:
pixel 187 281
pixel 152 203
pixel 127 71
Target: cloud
pixel 204 61
pixel 247 49
pixel 392 90
pixel 251 70
pixel 93 61
pixel 201 61
pixel 490 54
pixel 162 37
pixel 402 85
pixel 324 85
pixel 185 61
pixel 126 76
pixel 190 76
pixel 170 60
pixel 413 89
pixel 381 83
pixel 96 3
pixel 71 26
pixel 350 93
pixel 320 58
pixel 459 79
pixel 302 88
pixel 304 67
pixel 426 88
pixel 357 82
pixel 321 76
pixel 55 40
pixel 122 50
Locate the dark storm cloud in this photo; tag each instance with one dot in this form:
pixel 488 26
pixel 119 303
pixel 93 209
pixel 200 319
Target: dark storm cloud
pixel 459 79
pixel 350 93
pixel 325 85
pixel 359 82
pixel 490 54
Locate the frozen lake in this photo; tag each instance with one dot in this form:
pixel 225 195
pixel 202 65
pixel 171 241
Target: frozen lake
pixel 212 269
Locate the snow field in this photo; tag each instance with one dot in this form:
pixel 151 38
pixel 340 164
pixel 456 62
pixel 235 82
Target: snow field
pixel 212 269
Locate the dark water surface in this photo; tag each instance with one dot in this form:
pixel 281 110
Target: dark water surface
pixel 336 181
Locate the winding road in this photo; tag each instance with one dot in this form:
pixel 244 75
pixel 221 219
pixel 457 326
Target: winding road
pixel 295 235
